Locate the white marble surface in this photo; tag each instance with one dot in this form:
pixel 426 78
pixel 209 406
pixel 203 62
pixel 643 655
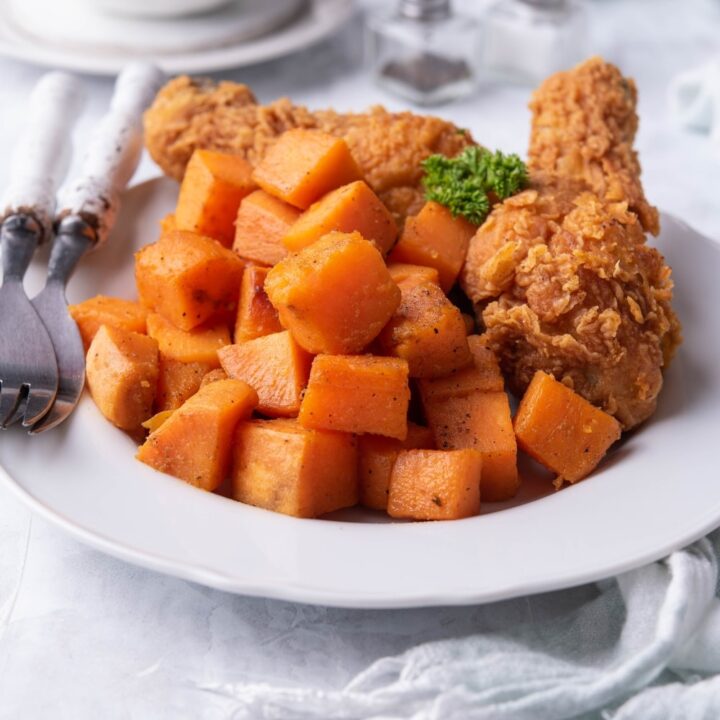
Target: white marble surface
pixel 86 636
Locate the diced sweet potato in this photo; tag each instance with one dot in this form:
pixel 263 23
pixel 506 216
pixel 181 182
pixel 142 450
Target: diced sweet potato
pixel 122 374
pixel 482 374
pixel 153 423
pixel 435 238
pixel 195 442
pixel 100 310
pixel 178 381
pixel 188 278
pixel 199 345
pixel 335 295
pixel 212 188
pixel 284 467
pixel 213 376
pixel 479 421
pixel 261 224
pixel 428 331
pixel 353 207
pixel 357 394
pixel 413 274
pixel 562 430
pixel 256 315
pixel 303 165
pixel 377 457
pixel 276 366
pixel 435 484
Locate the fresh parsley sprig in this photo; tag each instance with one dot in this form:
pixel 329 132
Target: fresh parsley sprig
pixel 462 183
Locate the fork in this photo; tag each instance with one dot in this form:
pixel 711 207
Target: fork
pixel 28 372
pixel 88 214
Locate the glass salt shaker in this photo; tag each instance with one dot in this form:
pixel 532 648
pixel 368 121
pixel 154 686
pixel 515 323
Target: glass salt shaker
pixel 424 52
pixel 527 40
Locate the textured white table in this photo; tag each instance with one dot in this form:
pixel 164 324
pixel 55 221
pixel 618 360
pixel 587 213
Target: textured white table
pixel 85 636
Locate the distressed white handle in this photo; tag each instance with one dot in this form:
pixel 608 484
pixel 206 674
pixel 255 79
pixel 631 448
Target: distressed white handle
pixel 114 151
pixel 42 154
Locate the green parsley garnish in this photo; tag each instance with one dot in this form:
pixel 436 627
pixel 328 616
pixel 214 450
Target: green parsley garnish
pixel 462 183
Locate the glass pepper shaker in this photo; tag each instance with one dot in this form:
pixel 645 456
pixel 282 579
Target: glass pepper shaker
pixel 423 51
pixel 527 40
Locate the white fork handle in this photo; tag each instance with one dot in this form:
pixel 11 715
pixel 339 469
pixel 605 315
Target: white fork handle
pixel 113 152
pixel 42 154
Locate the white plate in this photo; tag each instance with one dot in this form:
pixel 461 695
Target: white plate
pixel 43 32
pixel 658 491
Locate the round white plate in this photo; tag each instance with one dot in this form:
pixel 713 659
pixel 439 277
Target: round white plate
pixel 659 490
pixel 48 32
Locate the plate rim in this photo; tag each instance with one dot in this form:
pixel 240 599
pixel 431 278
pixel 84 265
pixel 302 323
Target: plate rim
pixel 322 18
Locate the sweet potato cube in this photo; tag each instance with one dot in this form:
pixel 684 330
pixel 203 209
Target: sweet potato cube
pixel 481 375
pixel 377 456
pixel 353 207
pixel 188 278
pixel 256 315
pixel 303 165
pixel 178 381
pixel 335 295
pixel 199 345
pixel 435 484
pixel 122 373
pixel 260 227
pixel 435 238
pixel 100 310
pixel 357 394
pixel 210 193
pixel 276 366
pixel 195 442
pixel 562 430
pixel 281 466
pixel 412 274
pixel 428 331
pixel 479 421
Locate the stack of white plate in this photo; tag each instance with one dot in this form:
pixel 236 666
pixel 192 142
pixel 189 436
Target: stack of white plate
pixel 101 36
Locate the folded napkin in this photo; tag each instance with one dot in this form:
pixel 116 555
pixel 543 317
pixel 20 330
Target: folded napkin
pixel 694 98
pixel 663 626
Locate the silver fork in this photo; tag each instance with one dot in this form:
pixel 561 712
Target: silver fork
pixel 28 372
pixel 88 214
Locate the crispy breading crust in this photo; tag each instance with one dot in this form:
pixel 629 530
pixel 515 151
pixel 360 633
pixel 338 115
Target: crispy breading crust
pixel 561 273
pixel 388 147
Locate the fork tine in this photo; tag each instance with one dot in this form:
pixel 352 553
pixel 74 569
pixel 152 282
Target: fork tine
pixel 38 403
pixel 11 404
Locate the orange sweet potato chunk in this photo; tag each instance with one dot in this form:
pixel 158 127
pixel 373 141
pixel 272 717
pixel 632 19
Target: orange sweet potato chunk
pixel 276 366
pixel 122 373
pixel 100 310
pixel 481 375
pixel 256 315
pixel 357 394
pixel 188 278
pixel 377 456
pixel 412 274
pixel 479 421
pixel 435 484
pixel 303 165
pixel 261 224
pixel 352 207
pixel 562 430
pixel 178 381
pixel 428 331
pixel 199 345
pixel 335 295
pixel 435 238
pixel 210 193
pixel 195 442
pixel 284 467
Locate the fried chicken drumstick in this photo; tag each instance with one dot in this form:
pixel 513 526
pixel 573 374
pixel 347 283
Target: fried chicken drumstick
pixel 561 274
pixel 389 147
